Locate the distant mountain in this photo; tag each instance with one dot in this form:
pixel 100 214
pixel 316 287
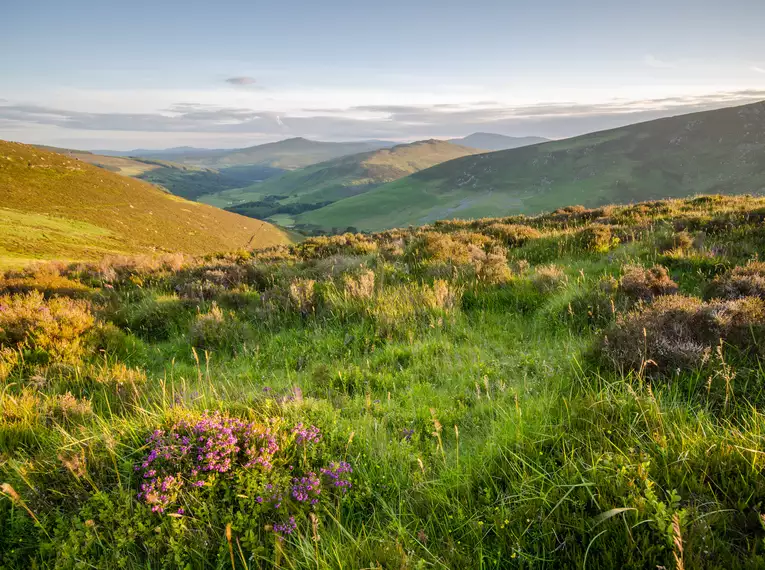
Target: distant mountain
pixel 288 154
pixel 491 141
pixel 721 151
pixel 321 184
pixel 58 206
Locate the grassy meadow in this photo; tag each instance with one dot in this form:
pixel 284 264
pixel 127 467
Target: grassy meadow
pixel 582 389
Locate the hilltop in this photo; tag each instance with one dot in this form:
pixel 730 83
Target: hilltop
pixel 56 206
pixel 321 184
pixel 493 141
pixel 720 151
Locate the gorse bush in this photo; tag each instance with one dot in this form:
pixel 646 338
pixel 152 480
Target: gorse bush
pixel 55 327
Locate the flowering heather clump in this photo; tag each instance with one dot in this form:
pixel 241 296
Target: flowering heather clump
pixel 189 453
pixel 286 527
pixel 337 474
pixel 309 434
pixel 198 453
pixel 306 489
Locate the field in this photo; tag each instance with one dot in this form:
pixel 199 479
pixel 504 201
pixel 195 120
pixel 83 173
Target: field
pixel 581 389
pixel 710 152
pixel 58 207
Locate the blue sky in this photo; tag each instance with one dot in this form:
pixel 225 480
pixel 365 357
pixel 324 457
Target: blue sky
pixel 165 73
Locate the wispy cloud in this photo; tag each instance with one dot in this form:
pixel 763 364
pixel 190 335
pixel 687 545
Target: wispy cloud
pixel 242 81
pixel 212 123
pixel 758 69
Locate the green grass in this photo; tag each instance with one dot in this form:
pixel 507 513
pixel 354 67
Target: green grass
pixel 710 152
pixel 482 434
pixel 58 206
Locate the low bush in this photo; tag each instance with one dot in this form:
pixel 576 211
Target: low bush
pixel 548 278
pixel 512 235
pixel 216 330
pixel 55 327
pixel 596 238
pixel 742 281
pixel 678 333
pixel 639 283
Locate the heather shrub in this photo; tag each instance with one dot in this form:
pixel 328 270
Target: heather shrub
pixel 268 473
pixel 436 247
pixel 676 241
pixel 302 296
pixel 548 278
pixel 638 283
pixel 55 327
pixel 216 330
pixel 678 333
pixel 491 267
pixel 742 281
pixel 596 238
pixel 360 287
pixel 49 279
pixel 512 235
pixel 346 244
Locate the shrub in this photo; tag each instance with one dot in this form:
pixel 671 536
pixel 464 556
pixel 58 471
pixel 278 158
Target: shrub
pixel 436 247
pixel 270 464
pixel 153 318
pixel 55 327
pixel 643 284
pixel 302 296
pixel 361 287
pixel 742 281
pixel 548 278
pixel 679 241
pixel 677 333
pixel 215 330
pixel 346 244
pixel 491 268
pixel 596 238
pixel 513 235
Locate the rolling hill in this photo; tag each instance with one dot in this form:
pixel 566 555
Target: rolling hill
pixel 185 181
pixel 288 154
pixel 720 151
pixel 57 206
pixel 321 184
pixel 492 141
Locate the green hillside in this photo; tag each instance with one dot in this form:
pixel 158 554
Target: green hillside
pixel 56 206
pixel 719 151
pixel 493 141
pixel 288 154
pixel 327 182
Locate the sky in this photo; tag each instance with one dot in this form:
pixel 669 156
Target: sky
pixel 107 75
